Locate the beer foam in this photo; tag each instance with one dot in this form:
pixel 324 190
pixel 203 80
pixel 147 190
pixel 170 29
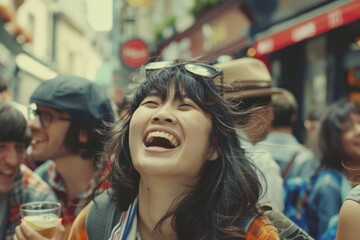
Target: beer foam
pixel 40 222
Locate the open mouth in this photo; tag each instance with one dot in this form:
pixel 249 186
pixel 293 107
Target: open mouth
pixel 36 140
pixel 162 140
pixel 7 173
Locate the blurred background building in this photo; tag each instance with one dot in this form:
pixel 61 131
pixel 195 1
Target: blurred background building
pixel 312 47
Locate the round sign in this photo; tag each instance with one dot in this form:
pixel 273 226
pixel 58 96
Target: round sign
pixel 134 53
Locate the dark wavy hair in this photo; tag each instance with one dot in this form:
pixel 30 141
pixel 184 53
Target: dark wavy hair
pixel 94 146
pixel 331 128
pixel 13 125
pixel 227 189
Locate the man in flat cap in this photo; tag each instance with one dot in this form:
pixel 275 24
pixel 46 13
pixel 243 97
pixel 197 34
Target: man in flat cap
pixel 64 116
pixel 247 85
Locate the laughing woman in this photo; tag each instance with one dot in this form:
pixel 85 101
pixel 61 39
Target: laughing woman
pixel 179 171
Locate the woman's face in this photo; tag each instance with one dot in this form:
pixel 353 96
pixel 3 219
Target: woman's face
pixel 169 138
pixel 350 139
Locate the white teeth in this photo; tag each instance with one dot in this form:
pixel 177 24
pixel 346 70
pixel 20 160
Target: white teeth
pixel 35 140
pixel 168 136
pixel 8 173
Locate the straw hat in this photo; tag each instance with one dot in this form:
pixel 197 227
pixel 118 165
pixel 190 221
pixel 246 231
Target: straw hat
pixel 246 77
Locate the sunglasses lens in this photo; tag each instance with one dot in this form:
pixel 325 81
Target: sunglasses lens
pixel 202 69
pixel 157 65
pixel 198 69
pixel 31 114
pixel 32 111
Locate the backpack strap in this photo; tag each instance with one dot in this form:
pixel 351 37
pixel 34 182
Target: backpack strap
pixel 286 170
pixel 287 229
pixel 245 223
pixel 102 217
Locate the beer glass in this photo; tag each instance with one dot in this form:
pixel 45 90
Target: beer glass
pixel 41 216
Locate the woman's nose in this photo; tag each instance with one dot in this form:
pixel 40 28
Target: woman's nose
pixel 164 116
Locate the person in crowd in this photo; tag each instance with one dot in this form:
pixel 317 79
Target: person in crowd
pixel 349 216
pixel 18 184
pixel 65 116
pixel 293 158
pixel 337 144
pixel 248 88
pixel 311 124
pixel 122 107
pixel 6 95
pixel 179 171
pixel 5 92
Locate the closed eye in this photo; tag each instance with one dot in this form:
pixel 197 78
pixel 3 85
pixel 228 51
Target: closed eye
pixel 187 104
pixel 151 102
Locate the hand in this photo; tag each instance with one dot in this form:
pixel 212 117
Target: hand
pixel 25 232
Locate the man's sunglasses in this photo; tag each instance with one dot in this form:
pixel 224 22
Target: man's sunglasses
pixel 197 69
pixel 45 118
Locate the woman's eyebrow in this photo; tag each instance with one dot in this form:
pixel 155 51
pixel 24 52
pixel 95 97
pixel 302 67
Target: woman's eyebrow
pixel 153 93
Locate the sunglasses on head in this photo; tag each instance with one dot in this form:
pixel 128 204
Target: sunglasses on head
pixel 197 69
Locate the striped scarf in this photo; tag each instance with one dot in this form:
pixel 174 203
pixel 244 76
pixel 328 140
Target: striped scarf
pixel 126 229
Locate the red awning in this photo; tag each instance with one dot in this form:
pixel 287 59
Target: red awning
pixel 313 26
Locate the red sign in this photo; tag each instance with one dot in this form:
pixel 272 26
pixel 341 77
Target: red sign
pixel 134 53
pixel 312 27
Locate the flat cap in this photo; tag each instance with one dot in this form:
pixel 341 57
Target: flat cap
pixel 85 101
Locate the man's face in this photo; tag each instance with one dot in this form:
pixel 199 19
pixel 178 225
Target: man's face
pixel 5 95
pixel 48 141
pixel 12 154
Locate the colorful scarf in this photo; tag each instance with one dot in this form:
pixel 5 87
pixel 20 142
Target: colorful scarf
pixel 126 229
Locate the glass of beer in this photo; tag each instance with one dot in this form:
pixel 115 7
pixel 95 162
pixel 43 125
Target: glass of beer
pixel 41 216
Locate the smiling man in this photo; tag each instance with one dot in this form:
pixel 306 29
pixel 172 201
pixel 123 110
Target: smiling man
pixel 65 114
pixel 18 184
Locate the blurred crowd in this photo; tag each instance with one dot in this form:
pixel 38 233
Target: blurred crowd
pixel 196 151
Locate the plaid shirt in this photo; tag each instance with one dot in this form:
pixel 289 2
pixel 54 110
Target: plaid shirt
pixel 126 228
pixel 28 187
pixel 70 208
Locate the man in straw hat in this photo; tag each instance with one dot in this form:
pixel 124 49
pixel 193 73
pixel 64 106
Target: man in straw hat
pixel 294 159
pixel 247 85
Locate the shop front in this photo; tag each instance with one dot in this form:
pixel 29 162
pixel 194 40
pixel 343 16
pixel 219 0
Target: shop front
pixel 315 55
pixel 221 31
pixel 9 48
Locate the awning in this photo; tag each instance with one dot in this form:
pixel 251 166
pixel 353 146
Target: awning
pixel 308 26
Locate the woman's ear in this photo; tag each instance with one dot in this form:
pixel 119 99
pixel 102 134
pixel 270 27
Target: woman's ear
pixel 83 135
pixel 214 154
